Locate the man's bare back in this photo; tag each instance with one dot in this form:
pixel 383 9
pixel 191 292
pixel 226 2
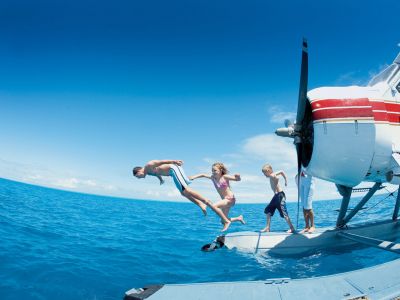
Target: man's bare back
pixel 162 170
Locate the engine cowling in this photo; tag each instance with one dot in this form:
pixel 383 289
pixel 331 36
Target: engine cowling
pixel 344 143
pixel 348 134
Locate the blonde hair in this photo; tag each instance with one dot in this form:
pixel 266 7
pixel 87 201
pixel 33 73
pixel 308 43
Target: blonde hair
pixel 267 167
pixel 221 167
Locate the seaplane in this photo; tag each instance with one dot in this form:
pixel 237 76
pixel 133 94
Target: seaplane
pixel 345 135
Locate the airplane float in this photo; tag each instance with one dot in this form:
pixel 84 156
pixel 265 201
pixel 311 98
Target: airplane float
pixel 345 135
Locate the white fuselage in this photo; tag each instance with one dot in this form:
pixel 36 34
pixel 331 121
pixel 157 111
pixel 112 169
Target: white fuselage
pixel 356 133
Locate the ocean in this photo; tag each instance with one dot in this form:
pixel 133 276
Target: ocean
pixel 63 245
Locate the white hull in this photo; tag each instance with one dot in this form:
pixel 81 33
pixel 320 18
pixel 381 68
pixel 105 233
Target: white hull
pixel 280 243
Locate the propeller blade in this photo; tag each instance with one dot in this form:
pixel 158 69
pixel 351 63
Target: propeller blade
pixel 301 104
pixel 299 150
pixel 301 108
pixel 288 123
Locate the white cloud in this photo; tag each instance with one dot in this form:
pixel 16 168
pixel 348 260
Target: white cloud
pixel 248 160
pixel 75 183
pixel 251 197
pixel 209 160
pixel 269 148
pixel 252 179
pixel 174 193
pixel 72 183
pixel 34 177
pixel 153 193
pixel 90 182
pixel 278 115
pixel 252 154
pixel 110 187
pixel 39 175
pixel 69 183
pixel 351 78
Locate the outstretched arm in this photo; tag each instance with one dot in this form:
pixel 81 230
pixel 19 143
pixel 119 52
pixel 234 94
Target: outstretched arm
pixel 156 163
pixel 199 176
pixel 161 179
pixel 235 177
pixel 283 175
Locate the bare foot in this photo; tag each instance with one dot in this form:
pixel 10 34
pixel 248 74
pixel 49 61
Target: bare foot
pixel 226 226
pixel 311 230
pixel 241 220
pixel 266 229
pixel 203 208
pixel 290 230
pixel 305 230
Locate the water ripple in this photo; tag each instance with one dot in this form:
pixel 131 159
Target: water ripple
pixel 63 245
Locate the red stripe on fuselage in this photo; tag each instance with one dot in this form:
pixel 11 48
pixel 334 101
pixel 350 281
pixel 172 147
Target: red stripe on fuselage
pixel 381 111
pixel 393 118
pixel 342 113
pixel 378 105
pixel 392 107
pixel 380 116
pixel 330 103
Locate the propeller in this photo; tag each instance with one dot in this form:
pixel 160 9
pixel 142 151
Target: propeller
pixel 301 108
pixel 301 105
pixel 298 130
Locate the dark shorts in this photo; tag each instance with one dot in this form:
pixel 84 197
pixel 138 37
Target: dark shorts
pixel 278 202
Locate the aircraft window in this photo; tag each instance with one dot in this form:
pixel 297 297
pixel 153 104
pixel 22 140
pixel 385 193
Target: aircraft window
pixel 398 87
pixel 382 76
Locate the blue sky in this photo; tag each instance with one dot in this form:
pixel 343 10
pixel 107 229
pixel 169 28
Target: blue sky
pixel 89 89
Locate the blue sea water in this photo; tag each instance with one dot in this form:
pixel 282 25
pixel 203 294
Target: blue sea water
pixel 62 245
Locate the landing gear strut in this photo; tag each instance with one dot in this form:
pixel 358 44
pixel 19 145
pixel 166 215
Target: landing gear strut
pixel 345 191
